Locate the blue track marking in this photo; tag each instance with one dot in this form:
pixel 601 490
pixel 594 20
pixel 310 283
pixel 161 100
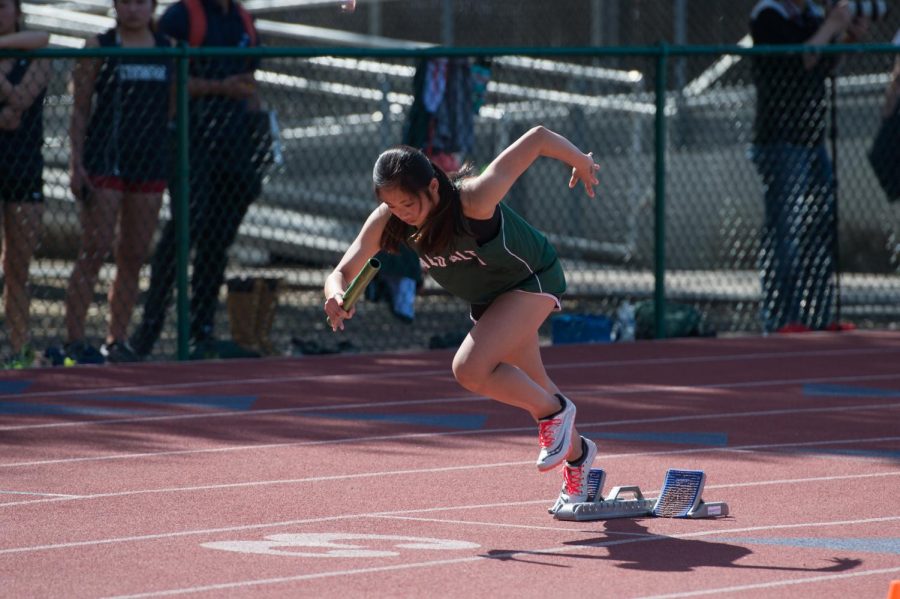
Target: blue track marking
pixel 229 402
pixel 849 391
pixel 217 402
pixel 12 407
pixel 889 546
pixel 13 387
pixel 711 439
pixel 454 421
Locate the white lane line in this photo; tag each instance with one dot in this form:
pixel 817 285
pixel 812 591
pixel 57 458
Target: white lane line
pixel 756 382
pixel 320 408
pixel 545 501
pixel 493 431
pixel 231 382
pixel 430 373
pixel 495 524
pixel 736 449
pixel 763 447
pixel 8 492
pixel 643 537
pixel 262 483
pixel 363 475
pixel 267 581
pixel 364 377
pixel 555 550
pixel 655 493
pixel 598 390
pixel 773 584
pixel 431 510
pixel 246 527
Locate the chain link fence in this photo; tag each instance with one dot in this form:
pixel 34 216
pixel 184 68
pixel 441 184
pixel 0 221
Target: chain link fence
pixel 285 190
pixel 753 151
pixel 518 23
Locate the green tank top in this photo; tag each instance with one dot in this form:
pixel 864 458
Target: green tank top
pixel 519 257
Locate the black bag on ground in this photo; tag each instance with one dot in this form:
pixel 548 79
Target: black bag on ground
pixel 682 320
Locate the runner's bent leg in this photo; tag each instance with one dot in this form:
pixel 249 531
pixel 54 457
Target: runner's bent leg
pixel 527 358
pixel 508 325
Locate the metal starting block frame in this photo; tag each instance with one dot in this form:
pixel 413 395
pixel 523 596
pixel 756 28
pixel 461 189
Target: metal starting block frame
pixel 680 497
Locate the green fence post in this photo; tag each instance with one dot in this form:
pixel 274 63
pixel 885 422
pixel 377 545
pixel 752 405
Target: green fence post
pixel 180 210
pixel 659 234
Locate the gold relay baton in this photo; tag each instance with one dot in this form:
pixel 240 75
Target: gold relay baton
pixel 358 284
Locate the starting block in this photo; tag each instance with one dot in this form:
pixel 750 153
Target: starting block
pixel 680 497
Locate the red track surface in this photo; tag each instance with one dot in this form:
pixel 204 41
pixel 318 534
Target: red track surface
pixel 177 485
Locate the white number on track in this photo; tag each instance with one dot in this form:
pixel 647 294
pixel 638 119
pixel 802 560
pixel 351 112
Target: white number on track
pixel 329 545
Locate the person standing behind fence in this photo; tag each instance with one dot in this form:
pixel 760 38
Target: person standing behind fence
pixel 23 82
pixel 884 153
pixel 892 93
pixel 799 234
pixel 118 172
pixel 224 180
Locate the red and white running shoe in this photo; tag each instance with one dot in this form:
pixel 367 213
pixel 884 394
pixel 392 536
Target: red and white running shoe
pixel 575 478
pixel 555 435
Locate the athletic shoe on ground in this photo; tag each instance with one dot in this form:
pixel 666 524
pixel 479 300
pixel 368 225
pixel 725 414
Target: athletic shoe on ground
pixel 55 355
pixel 793 327
pixel 555 436
pixel 205 349
pixel 139 343
pixel 23 359
pixel 575 478
pixel 81 352
pixel 119 352
pixel 214 349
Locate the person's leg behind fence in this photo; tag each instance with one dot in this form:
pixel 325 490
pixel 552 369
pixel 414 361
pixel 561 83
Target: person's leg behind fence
pixel 21 232
pixel 783 170
pixel 138 218
pixel 822 241
pixel 98 212
pixel 233 188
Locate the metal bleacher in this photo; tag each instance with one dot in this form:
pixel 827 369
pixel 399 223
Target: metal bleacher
pixel 336 114
pixel 345 109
